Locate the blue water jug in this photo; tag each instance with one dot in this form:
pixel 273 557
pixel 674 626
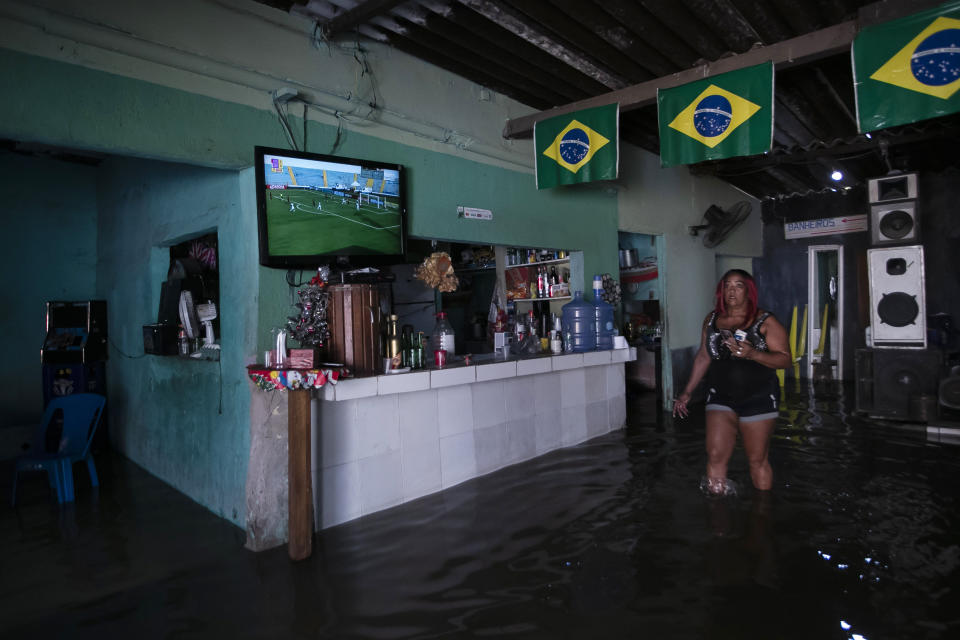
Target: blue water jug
pixel 603 316
pixel 579 325
pixel 604 321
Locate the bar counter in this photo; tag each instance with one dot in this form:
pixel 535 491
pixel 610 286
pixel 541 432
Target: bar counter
pixel 381 441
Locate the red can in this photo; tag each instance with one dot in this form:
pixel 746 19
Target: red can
pixel 440 357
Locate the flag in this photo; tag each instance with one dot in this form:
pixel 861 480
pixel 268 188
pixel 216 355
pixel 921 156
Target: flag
pixel 577 147
pixel 723 116
pixel 908 70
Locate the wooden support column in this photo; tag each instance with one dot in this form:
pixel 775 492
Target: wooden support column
pixel 299 481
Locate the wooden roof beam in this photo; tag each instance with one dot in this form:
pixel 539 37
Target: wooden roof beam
pixel 796 51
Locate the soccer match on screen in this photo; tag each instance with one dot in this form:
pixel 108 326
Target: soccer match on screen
pixel 316 207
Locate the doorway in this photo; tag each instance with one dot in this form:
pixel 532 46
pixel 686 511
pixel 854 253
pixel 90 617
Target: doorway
pixel 825 302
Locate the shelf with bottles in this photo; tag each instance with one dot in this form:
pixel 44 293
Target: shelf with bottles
pixel 546 278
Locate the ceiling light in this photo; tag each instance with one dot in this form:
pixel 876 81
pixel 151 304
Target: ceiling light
pixel 836 176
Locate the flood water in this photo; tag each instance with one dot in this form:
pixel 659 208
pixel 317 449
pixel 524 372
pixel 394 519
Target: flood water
pixel 610 539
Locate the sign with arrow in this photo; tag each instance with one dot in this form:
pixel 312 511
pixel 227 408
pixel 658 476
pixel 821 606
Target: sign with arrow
pixel 824 227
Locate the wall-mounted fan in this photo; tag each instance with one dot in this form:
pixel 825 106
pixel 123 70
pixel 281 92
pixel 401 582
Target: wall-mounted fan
pixel 719 223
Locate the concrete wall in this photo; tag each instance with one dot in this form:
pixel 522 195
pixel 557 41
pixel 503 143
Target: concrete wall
pixel 49 253
pixel 184 420
pixel 665 202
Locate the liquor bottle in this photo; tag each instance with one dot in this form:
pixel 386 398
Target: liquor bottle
pixel 393 336
pixel 540 291
pixel 406 344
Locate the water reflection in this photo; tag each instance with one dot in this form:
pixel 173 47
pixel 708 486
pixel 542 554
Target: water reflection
pixel 609 539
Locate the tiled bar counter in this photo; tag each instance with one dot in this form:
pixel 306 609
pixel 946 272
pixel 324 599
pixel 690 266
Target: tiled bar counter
pixel 380 441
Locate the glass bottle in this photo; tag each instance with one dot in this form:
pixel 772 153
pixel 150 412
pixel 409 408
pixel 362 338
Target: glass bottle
pixel 418 351
pixel 393 336
pixel 442 336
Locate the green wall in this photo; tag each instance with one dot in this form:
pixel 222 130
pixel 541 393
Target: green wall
pixel 187 421
pixel 49 253
pixel 166 414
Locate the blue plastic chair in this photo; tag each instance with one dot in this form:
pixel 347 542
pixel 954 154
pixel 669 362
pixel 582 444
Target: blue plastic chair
pixel 81 417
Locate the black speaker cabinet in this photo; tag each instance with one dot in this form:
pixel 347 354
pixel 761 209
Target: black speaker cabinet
pixel 899 384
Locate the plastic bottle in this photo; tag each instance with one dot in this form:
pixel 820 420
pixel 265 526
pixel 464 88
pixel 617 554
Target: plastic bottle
pixel 579 325
pixel 604 316
pixel 442 336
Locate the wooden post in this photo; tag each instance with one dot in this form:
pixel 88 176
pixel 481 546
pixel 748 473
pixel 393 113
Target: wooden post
pixel 299 481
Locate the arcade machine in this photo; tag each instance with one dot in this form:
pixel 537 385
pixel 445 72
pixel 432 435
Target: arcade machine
pixel 74 352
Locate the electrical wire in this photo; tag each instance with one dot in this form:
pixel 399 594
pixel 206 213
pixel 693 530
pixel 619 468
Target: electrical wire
pixel 285 125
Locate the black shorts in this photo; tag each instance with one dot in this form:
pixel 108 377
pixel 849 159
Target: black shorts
pixel 762 404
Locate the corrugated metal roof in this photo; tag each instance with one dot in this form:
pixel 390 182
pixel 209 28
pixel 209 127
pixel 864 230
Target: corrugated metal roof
pixel 551 53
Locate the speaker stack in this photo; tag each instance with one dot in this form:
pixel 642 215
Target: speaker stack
pixel 899 378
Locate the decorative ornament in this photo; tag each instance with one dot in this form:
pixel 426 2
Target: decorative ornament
pixel 437 272
pixel 310 328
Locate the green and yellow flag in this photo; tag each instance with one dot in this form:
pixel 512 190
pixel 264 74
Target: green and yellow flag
pixel 722 116
pixel 909 69
pixel 578 147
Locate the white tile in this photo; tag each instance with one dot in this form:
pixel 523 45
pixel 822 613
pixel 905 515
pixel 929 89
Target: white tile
pixel 567 361
pixel 403 382
pixel 418 412
pixel 518 395
pixel 548 427
pixel 327 392
pixel 595 358
pixel 378 425
pixel 380 482
pixel 338 441
pixel 573 388
pixel 419 444
pixel 617 409
pixel 598 422
pixel 496 371
pixel 490 447
pixel 534 365
pixel 457 459
pixel 420 464
pixel 455 410
pixel 621 355
pixel 615 381
pixel 489 404
pixel 546 393
pixel 595 385
pixel 339 495
pixel 573 425
pixel 351 388
pixel 520 440
pixel 453 376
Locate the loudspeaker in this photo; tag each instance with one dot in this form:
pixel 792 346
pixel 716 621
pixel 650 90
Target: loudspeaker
pixel 894 223
pixel 892 188
pixel 896 383
pixel 897 307
pixel 893 210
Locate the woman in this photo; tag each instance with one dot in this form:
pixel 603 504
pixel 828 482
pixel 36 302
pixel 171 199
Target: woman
pixel 741 346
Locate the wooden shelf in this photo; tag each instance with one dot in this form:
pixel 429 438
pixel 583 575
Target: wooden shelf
pixel 540 299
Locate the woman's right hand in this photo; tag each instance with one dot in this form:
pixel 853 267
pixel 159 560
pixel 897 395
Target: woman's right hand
pixel 680 405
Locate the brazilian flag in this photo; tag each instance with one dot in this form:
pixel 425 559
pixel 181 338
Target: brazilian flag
pixel 577 147
pixel 723 116
pixel 908 70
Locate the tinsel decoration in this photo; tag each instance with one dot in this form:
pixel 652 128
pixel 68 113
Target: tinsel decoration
pixel 611 289
pixel 437 271
pixel 310 328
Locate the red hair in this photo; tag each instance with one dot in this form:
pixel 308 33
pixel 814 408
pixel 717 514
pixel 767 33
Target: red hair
pixel 720 307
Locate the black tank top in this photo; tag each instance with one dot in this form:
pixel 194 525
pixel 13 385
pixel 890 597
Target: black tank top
pixel 733 375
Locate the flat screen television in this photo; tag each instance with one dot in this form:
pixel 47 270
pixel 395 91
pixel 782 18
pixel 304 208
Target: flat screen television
pixel 315 209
